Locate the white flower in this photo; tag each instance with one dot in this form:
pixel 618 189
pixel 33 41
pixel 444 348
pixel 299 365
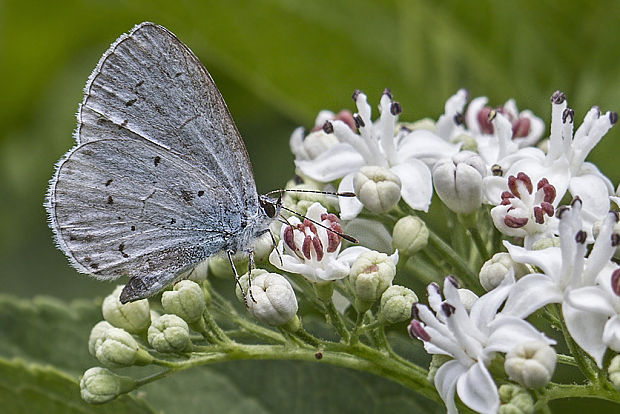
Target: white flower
pixel 313 251
pixel 598 311
pixel 472 339
pixel 531 364
pixel 525 212
pixel 564 165
pixel 378 144
pixel 317 141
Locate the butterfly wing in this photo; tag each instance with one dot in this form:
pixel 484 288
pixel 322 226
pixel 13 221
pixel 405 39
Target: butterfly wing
pixel 160 178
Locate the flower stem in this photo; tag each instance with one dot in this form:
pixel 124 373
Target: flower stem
pixel 556 391
pixel 453 258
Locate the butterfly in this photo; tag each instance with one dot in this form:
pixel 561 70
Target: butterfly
pixel 159 178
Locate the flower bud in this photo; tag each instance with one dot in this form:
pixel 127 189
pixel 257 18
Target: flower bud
pixel 117 348
pixel 494 270
pixel 96 335
pixel 99 385
pixel 271 298
pixel 396 304
pixel 219 265
pixel 410 235
pixel 458 181
pixel 169 333
pixel 468 298
pixel 545 243
pixel 613 372
pixel 371 274
pixel 301 201
pixel 531 364
pixel 262 245
pixel 134 317
pixel 186 300
pixel 377 188
pixel 200 271
pixel 515 400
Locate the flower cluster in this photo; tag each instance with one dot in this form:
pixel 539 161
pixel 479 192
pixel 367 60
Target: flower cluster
pixel 511 247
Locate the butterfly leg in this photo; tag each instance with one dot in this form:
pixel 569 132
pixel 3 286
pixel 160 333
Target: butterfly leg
pixel 229 253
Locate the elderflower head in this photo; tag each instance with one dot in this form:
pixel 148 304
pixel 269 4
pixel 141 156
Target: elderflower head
pixel 405 154
pixel 311 250
pixel 471 339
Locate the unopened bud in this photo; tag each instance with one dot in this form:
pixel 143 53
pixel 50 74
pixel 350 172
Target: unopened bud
pixel 117 348
pixel 186 300
pixel 613 372
pixel 410 235
pixel 531 364
pixel 169 333
pixel 396 304
pixel 99 385
pixel 515 400
pixel 134 317
pixel 377 188
pixel 495 270
pixel 468 298
pixel 458 181
pixel 97 334
pixel 270 298
pixel 370 275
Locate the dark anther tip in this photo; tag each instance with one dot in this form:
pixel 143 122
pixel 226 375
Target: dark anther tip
pixel 356 93
pixel 558 97
pixel 388 92
pixel 613 117
pixel 395 108
pixel 328 127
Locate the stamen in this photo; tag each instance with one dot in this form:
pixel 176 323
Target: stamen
pixel 447 309
pixel 497 170
pixel 580 237
pixel 328 127
pixel 613 117
pixel 359 122
pixel 615 282
pixel 395 108
pixel 515 222
pixel 558 97
pixel 356 93
pixel 568 113
pixel 388 92
pixel 416 330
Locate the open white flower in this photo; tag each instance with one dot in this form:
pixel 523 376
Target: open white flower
pixel 405 154
pixel 313 251
pixel 472 339
pixel 564 165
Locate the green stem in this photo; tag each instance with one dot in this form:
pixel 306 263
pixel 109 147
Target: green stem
pixel 355 333
pixel 567 360
pixel 154 377
pixel 454 258
pixel 557 391
pixel 583 362
pixel 358 356
pixel 479 243
pixel 336 320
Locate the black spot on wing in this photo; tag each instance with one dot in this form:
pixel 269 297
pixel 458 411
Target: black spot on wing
pixel 110 200
pixel 173 220
pixel 201 193
pixel 131 102
pixel 121 248
pixel 133 228
pixel 187 196
pixel 107 183
pixel 157 160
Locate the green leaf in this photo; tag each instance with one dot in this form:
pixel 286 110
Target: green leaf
pixel 49 331
pixel 32 388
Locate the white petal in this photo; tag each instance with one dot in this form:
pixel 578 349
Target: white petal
pixel 417 185
pixel 531 293
pixel 485 308
pixel 586 328
pixel 591 299
pixel 338 161
pixel 425 145
pixel 611 333
pixel 477 389
pixel 509 331
pixel 296 143
pixel 471 117
pixel 350 254
pixel 593 192
pixel 445 381
pixel 549 259
pixel 350 207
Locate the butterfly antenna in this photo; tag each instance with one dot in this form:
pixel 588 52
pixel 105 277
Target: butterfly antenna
pixel 292 190
pixel 344 236
pixel 275 245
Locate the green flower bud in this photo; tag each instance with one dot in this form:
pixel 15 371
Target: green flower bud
pixel 96 336
pixel 169 333
pixel 134 317
pixel 377 188
pixel 186 300
pixel 515 400
pixel 99 385
pixel 396 304
pixel 495 269
pixel 410 235
pixel 614 371
pixel 271 299
pixel 531 364
pixel 370 275
pixel 469 142
pixel 117 348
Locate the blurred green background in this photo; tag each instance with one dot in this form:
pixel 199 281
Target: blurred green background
pixel 277 63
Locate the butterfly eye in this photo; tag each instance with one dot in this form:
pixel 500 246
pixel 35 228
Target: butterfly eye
pixel 267 207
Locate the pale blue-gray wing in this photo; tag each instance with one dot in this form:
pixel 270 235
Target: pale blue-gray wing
pixel 128 207
pixel 150 86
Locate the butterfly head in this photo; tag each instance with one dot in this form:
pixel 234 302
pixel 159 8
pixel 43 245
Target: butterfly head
pixel 271 207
